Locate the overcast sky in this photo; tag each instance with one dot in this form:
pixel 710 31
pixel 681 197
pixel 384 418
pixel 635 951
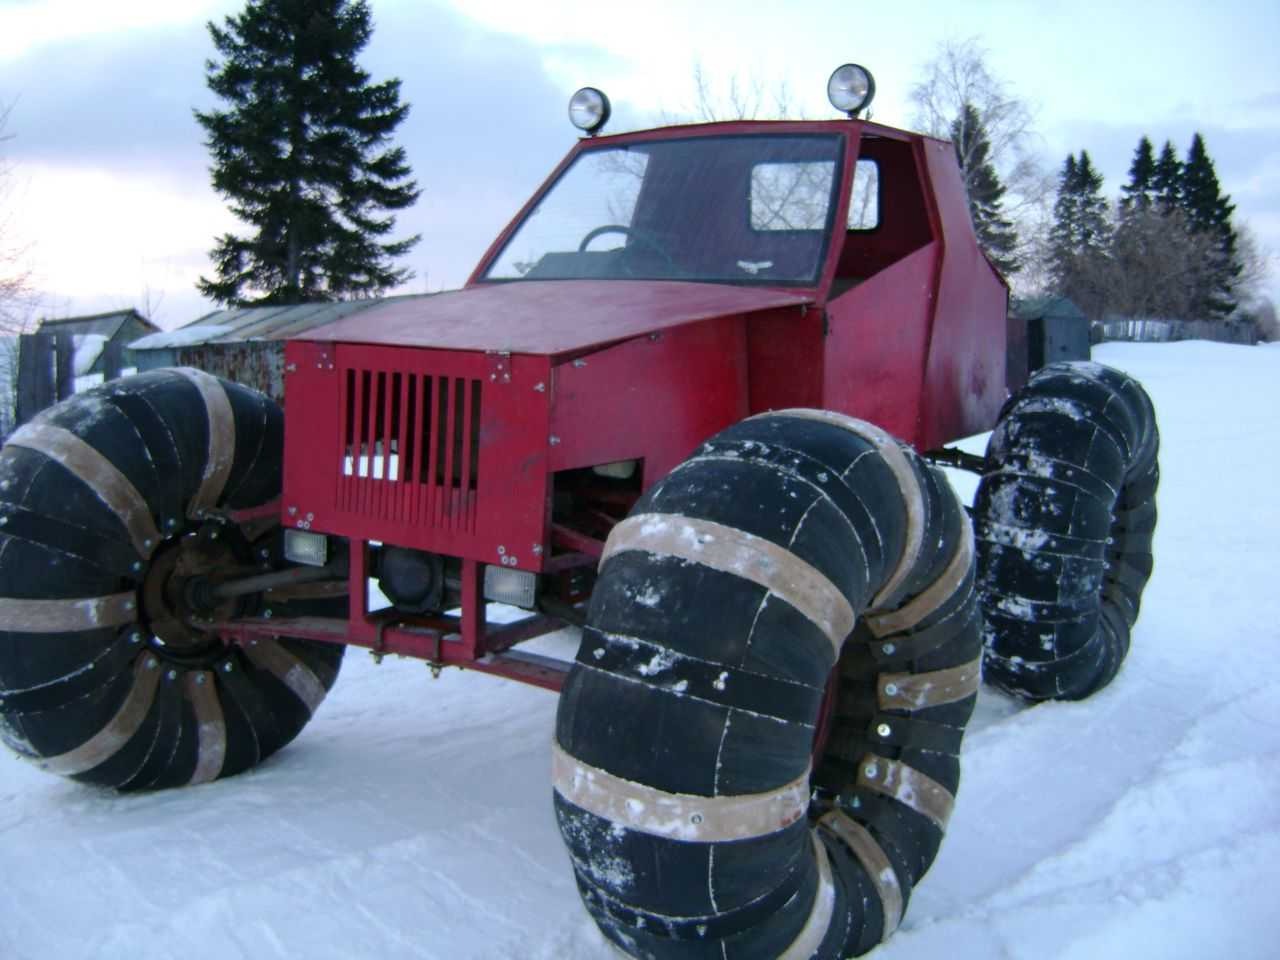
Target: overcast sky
pixel 109 183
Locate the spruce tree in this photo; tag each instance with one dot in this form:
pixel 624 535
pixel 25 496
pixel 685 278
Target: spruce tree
pixel 1080 236
pixel 302 151
pixel 996 235
pixel 1208 212
pixel 1094 227
pixel 1167 180
pixel 1139 192
pixel 1062 236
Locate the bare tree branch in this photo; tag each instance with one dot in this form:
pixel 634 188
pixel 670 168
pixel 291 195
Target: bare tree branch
pixel 15 277
pixel 734 99
pixel 958 75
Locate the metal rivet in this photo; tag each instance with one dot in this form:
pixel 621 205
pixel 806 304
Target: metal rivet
pixel 151 663
pixel 128 604
pixel 888 649
pixel 891 688
pixel 200 678
pixel 293 511
pixel 267 613
pixel 172 674
pixel 148 544
pixel 696 818
pixel 135 637
pixel 540 387
pixel 884 730
pixel 137 566
pixel 226 667
pixel 502 551
pixel 555 441
pixel 871 770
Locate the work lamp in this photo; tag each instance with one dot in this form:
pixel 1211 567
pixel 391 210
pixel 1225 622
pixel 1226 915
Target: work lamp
pixel 851 88
pixel 589 110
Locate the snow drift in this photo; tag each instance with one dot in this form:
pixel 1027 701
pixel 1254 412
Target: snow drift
pixel 413 817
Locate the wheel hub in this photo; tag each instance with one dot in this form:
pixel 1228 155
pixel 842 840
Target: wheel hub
pixel 176 595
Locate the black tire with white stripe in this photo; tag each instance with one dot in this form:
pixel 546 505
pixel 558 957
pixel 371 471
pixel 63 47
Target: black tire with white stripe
pixel 91 493
pixel 1064 520
pixel 697 818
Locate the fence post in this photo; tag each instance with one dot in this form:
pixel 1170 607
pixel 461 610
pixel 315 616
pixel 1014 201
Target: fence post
pixel 112 359
pixel 35 375
pixel 64 366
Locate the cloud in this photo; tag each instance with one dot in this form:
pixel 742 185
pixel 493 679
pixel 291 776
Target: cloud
pixel 118 101
pixel 113 113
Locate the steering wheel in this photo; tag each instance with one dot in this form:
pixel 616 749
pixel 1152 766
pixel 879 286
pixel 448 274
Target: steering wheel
pixel 638 236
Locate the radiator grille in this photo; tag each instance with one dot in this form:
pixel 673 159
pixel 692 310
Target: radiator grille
pixel 410 447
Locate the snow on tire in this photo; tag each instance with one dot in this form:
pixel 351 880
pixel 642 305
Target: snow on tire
pixel 1064 519
pixel 100 500
pixel 697 818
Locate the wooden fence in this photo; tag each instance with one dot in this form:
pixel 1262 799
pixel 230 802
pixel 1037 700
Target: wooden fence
pixel 1148 330
pixel 47 371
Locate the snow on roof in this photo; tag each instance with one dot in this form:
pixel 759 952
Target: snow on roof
pixel 88 348
pixel 182 337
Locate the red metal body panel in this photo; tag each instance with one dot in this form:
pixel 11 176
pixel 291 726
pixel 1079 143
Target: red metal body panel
pixel 964 377
pixel 549 317
pixel 875 350
pixel 482 494
pixel 784 348
pixel 653 399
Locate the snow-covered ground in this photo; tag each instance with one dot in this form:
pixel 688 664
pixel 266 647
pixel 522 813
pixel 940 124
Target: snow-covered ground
pixel 413 817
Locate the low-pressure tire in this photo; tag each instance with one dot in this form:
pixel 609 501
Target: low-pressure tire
pixel 703 815
pixel 1064 520
pixel 105 501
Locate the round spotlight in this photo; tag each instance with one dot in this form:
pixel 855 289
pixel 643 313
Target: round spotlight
pixel 851 88
pixel 589 110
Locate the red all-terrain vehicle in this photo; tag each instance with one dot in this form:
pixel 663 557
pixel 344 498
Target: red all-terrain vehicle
pixel 674 406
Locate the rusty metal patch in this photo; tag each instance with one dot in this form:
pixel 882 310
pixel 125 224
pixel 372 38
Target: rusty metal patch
pixel 677 816
pixel 908 786
pixel 106 743
pixel 915 691
pixel 744 555
pixel 97 473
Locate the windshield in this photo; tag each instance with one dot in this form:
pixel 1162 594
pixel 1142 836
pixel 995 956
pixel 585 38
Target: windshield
pixel 741 209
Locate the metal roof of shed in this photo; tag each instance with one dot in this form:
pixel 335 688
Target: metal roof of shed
pixel 99 324
pixel 240 324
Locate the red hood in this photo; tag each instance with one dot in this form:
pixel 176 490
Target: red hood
pixel 548 317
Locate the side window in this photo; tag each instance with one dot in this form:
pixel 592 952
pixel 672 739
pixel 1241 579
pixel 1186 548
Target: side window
pixel 791 196
pixel 864 204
